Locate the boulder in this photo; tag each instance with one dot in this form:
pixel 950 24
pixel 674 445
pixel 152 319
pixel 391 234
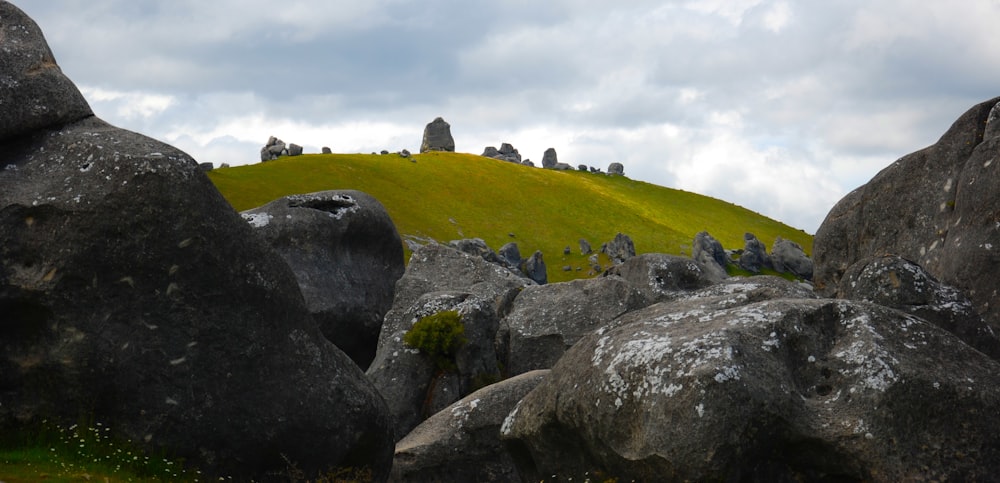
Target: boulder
pixel 476 247
pixel 663 277
pixel 616 169
pixel 440 278
pixel 708 252
pixel 534 269
pixel 550 159
pixel 326 150
pixel 562 167
pixel 294 150
pixel 585 248
pixel 462 442
pixel 35 92
pixel 936 207
pixel 437 137
pixel 895 282
pixel 619 249
pixel 789 257
pixel 505 153
pixel 754 257
pixel 346 255
pixel 581 167
pixel 135 296
pixel 546 320
pixel 775 390
pixel 510 256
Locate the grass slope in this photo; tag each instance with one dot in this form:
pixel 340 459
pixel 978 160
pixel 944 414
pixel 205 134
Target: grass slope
pixel 448 196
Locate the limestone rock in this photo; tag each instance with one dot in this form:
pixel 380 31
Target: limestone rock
pixel 505 153
pixel 789 257
pixel 663 277
pixel 936 207
pixel 754 256
pixel 35 92
pixel 346 255
pixel 708 252
pixel 462 442
pixel 550 159
pixel 619 249
pixel 585 248
pixel 546 320
pixel 616 169
pixel 437 137
pixel 774 390
pixel 534 269
pixel 440 278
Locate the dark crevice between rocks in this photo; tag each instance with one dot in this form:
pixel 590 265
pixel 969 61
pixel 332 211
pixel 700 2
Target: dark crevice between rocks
pixel 330 205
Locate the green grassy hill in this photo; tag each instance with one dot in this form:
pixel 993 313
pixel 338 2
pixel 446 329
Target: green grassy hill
pixel 448 196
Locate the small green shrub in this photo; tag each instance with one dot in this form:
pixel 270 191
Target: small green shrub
pixel 439 336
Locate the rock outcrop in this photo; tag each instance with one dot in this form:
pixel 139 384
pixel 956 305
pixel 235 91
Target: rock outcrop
pixel 754 257
pixel 550 158
pixel 546 320
pixel 505 153
pixel 708 251
pixel 346 255
pixel 534 268
pixel 789 257
pixel 462 442
pixel 710 389
pixel 133 295
pixel 620 249
pixel 616 169
pixel 276 148
pixel 437 137
pixel 662 277
pixel 936 207
pixel 440 278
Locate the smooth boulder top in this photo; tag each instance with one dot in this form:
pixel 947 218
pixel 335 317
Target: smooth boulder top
pixel 34 92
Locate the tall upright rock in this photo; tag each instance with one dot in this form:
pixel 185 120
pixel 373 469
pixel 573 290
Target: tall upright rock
pixel 131 294
pixel 437 137
pixel 550 159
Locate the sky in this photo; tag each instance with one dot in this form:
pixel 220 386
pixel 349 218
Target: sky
pixel 782 107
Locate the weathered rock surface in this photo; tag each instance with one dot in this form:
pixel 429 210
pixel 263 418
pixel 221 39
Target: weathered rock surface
pixel 936 206
pixel 346 255
pixel 462 442
pixel 534 268
pixel 134 295
pixel 550 158
pixel 510 256
pixel 895 282
pixel 440 278
pixel 546 320
pixel 35 93
pixel 662 277
pixel 708 252
pixel 754 256
pixel 616 169
pixel 620 249
pixel 789 257
pixel 131 294
pixel 437 137
pixel 476 247
pixel 778 390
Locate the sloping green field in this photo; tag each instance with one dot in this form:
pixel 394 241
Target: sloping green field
pixel 447 196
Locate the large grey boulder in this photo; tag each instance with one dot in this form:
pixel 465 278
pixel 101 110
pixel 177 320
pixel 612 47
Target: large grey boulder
pixel 708 252
pixel 619 249
pixel 663 277
pixel 437 137
pixel 893 281
pixel 346 255
pixel 34 93
pixel 789 257
pixel 550 158
pixel 476 247
pixel 440 278
pixel 754 257
pixel 616 169
pixel 777 390
pixel 134 295
pixel 534 268
pixel 546 320
pixel 462 442
pixel 131 294
pixel 936 207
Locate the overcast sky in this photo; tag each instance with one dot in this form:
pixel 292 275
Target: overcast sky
pixel 782 107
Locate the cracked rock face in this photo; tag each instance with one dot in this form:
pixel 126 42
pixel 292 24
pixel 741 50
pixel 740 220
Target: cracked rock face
pixel 703 389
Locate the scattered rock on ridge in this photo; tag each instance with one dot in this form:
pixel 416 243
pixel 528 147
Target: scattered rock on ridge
pixel 346 255
pixel 550 159
pixel 616 169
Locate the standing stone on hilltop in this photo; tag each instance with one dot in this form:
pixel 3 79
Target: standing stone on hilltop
pixel 549 159
pixel 437 137
pixel 616 169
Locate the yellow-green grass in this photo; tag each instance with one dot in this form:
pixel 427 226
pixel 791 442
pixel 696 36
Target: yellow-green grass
pixel 448 196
